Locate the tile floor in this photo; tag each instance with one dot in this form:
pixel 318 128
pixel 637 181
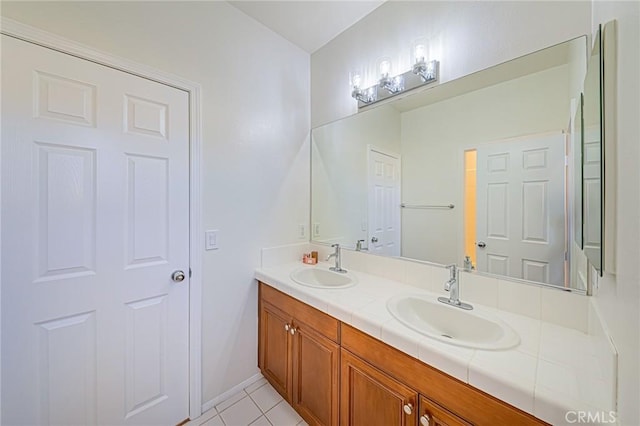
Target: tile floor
pixel 257 405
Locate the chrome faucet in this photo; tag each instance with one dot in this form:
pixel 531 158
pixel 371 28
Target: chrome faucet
pixel 453 287
pixel 337 255
pixel 468 264
pixel 359 245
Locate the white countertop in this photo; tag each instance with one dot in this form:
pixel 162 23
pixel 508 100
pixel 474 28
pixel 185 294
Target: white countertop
pixel 551 372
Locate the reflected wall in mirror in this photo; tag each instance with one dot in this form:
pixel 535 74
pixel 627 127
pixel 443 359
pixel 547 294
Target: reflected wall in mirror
pixel 494 145
pixel 593 172
pixel 578 264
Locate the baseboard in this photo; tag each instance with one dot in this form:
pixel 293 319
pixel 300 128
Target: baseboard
pixel 226 395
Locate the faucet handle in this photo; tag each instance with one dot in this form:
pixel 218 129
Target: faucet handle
pixel 335 245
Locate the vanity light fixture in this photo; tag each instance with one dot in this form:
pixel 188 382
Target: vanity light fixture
pixel 423 72
pixel 365 96
pixel 426 70
pixel 392 85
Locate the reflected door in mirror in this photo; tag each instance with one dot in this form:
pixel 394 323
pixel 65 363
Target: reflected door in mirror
pixel 520 207
pixel 384 202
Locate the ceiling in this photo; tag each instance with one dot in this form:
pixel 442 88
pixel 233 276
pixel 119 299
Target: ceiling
pixel 308 24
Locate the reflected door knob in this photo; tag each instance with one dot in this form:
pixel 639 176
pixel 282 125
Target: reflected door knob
pixel 374 239
pixel 481 244
pixel 178 276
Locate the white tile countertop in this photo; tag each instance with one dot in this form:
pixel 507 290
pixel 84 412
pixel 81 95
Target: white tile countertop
pixel 552 372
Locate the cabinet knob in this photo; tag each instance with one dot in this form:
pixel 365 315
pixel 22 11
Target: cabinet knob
pixel 292 330
pixel 408 408
pixel 425 420
pixel 287 327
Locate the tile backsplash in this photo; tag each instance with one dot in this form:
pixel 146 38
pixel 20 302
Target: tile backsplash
pixel 273 256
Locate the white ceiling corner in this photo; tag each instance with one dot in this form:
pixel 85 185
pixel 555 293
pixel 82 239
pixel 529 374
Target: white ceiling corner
pixel 307 24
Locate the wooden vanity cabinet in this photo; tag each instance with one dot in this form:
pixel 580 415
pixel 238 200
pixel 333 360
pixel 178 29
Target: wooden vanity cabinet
pixel 275 348
pixel 445 400
pixel 299 354
pixel 334 374
pixel 370 397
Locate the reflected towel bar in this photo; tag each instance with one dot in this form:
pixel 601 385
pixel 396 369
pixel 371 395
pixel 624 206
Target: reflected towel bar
pixel 426 206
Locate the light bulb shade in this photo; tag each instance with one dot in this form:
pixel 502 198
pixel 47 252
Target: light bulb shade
pixel 420 53
pixel 355 80
pixel 385 68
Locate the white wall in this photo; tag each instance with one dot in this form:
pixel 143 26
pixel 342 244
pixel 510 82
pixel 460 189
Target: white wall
pixel 435 137
pixel 464 36
pixel 619 295
pixel 255 136
pixel 340 174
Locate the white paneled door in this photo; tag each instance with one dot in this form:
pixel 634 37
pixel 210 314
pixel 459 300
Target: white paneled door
pixel 384 203
pixel 521 208
pixel 95 221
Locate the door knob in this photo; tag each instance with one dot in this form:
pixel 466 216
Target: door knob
pixel 408 408
pixel 374 239
pixel 425 420
pixel 178 276
pixel 481 244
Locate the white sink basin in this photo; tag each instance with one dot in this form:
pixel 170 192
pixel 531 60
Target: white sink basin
pixel 322 278
pixel 452 325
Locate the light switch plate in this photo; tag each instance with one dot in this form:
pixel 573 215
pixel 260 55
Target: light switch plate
pixel 316 229
pixel 302 231
pixel 211 240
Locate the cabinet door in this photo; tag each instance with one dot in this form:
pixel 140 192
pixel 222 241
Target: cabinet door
pixel 431 414
pixel 371 398
pixel 316 363
pixel 274 355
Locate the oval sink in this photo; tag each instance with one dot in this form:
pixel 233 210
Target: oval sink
pixel 452 325
pixel 322 278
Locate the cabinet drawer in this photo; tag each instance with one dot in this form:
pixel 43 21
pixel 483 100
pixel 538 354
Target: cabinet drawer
pixel 304 314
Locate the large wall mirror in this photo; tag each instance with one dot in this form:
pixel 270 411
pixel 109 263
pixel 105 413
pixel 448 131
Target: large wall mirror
pixel 486 168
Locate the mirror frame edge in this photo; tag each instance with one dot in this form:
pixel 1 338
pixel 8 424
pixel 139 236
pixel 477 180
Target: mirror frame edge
pixel 609 145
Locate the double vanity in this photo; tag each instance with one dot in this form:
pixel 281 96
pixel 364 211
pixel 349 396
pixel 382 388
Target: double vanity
pixel 356 348
pixel 424 314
